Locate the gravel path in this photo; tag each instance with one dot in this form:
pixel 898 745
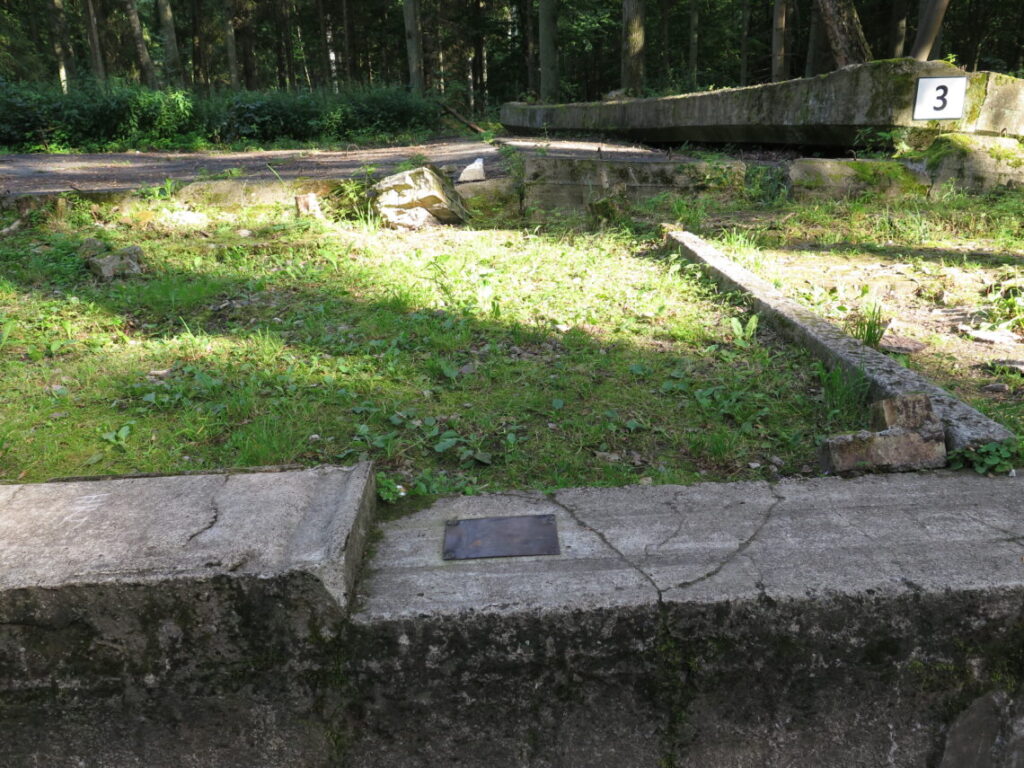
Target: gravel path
pixel 49 174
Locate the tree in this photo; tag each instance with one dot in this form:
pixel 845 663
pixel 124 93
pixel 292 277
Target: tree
pixel 172 59
pixel 928 27
pixel 694 41
pixel 779 69
pixel 633 46
pixel 230 45
pixel 414 44
pixel 61 46
pixel 93 36
pixel 898 28
pixel 146 70
pixel 548 22
pixel 845 34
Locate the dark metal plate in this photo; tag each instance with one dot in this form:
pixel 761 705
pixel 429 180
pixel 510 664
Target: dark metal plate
pixel 500 537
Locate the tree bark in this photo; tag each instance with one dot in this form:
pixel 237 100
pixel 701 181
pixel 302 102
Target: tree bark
pixel 327 38
pixel 346 41
pixel 779 70
pixel 898 28
pixel 744 41
pixel 694 42
pixel 478 67
pixel 530 34
pixel 633 46
pixel 819 54
pixel 231 45
pixel 845 34
pixel 146 69
pixel 93 35
pixel 61 47
pixel 172 59
pixel 548 22
pixel 929 26
pixel 414 45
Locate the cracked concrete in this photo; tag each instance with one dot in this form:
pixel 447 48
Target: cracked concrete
pixel 794 539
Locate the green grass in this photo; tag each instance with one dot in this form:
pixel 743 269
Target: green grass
pixel 458 359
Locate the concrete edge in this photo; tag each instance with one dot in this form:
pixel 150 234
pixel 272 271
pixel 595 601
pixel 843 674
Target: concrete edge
pixel 965 427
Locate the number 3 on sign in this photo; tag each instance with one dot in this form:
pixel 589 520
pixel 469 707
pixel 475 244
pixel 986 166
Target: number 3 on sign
pixel 940 98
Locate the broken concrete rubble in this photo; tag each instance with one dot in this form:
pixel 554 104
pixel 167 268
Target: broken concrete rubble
pixel 106 265
pixel 417 198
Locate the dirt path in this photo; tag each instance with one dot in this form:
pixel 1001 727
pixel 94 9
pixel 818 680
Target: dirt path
pixel 49 174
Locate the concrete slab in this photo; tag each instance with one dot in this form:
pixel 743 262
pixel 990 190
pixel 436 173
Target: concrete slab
pixel 829 110
pixel 797 623
pixel 130 606
pixel 712 542
pixel 965 426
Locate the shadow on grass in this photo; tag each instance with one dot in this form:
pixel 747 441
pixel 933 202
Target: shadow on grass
pixel 226 370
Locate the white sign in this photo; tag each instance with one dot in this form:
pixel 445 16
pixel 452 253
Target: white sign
pixel 940 98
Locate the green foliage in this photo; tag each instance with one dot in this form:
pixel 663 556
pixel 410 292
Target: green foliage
pixel 989 459
pixel 41 118
pixel 869 325
pixel 845 395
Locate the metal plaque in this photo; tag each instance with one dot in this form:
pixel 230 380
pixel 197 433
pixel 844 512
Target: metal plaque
pixel 500 537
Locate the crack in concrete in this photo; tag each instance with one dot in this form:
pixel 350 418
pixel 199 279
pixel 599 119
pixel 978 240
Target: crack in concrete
pixel 604 540
pixel 743 545
pixel 1012 537
pixel 214 512
pixel 671 505
pixel 17 490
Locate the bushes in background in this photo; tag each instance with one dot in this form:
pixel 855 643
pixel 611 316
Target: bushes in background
pixel 115 116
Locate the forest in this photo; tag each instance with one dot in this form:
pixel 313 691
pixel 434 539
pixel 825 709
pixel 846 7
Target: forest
pixel 205 56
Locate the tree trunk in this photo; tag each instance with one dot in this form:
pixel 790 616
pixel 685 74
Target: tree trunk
pixel 779 70
pixel 929 26
pixel 479 62
pixel 633 46
pixel 819 54
pixel 548 23
pixel 198 47
pixel 694 42
pixel 60 42
pixel 231 46
pixel 93 35
pixel 346 40
pixel 845 34
pixel 898 28
pixel 172 59
pixel 289 45
pixel 530 34
pixel 146 70
pixel 414 45
pixel 327 38
pixel 744 41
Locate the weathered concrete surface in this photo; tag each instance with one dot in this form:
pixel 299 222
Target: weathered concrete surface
pixel 965 426
pixel 240 192
pixel 140 614
pixel 814 178
pixel 975 163
pixel 829 110
pixel 822 622
pixel 557 183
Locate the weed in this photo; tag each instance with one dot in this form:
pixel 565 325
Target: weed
pixel 990 458
pixel 744 335
pixel 869 325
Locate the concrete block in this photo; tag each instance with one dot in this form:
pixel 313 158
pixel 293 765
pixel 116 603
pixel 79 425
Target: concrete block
pixel 157 583
pixel 823 178
pixel 893 450
pixel 910 411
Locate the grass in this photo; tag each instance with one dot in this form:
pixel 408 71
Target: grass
pixel 459 360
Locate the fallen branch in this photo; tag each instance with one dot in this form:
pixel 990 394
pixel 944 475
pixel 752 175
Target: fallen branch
pixel 10 229
pixel 468 123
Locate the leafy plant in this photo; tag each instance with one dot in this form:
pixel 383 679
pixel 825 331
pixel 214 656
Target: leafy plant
pixel 845 394
pixel 869 325
pixel 988 459
pixel 744 335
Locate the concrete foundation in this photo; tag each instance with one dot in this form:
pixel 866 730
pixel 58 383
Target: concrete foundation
pixel 835 109
pixel 207 620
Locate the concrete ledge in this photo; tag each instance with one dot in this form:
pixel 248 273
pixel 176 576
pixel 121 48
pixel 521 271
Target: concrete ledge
pixel 965 426
pixel 154 597
pixel 829 110
pixel 823 622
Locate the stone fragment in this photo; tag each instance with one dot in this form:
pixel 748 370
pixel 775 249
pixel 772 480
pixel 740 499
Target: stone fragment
pixel 912 411
pixel 473 172
pixel 901 345
pixel 308 205
pixel 989 337
pixel 996 387
pixel 91 247
pixel 421 188
pixel 973 737
pixel 122 263
pixel 893 450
